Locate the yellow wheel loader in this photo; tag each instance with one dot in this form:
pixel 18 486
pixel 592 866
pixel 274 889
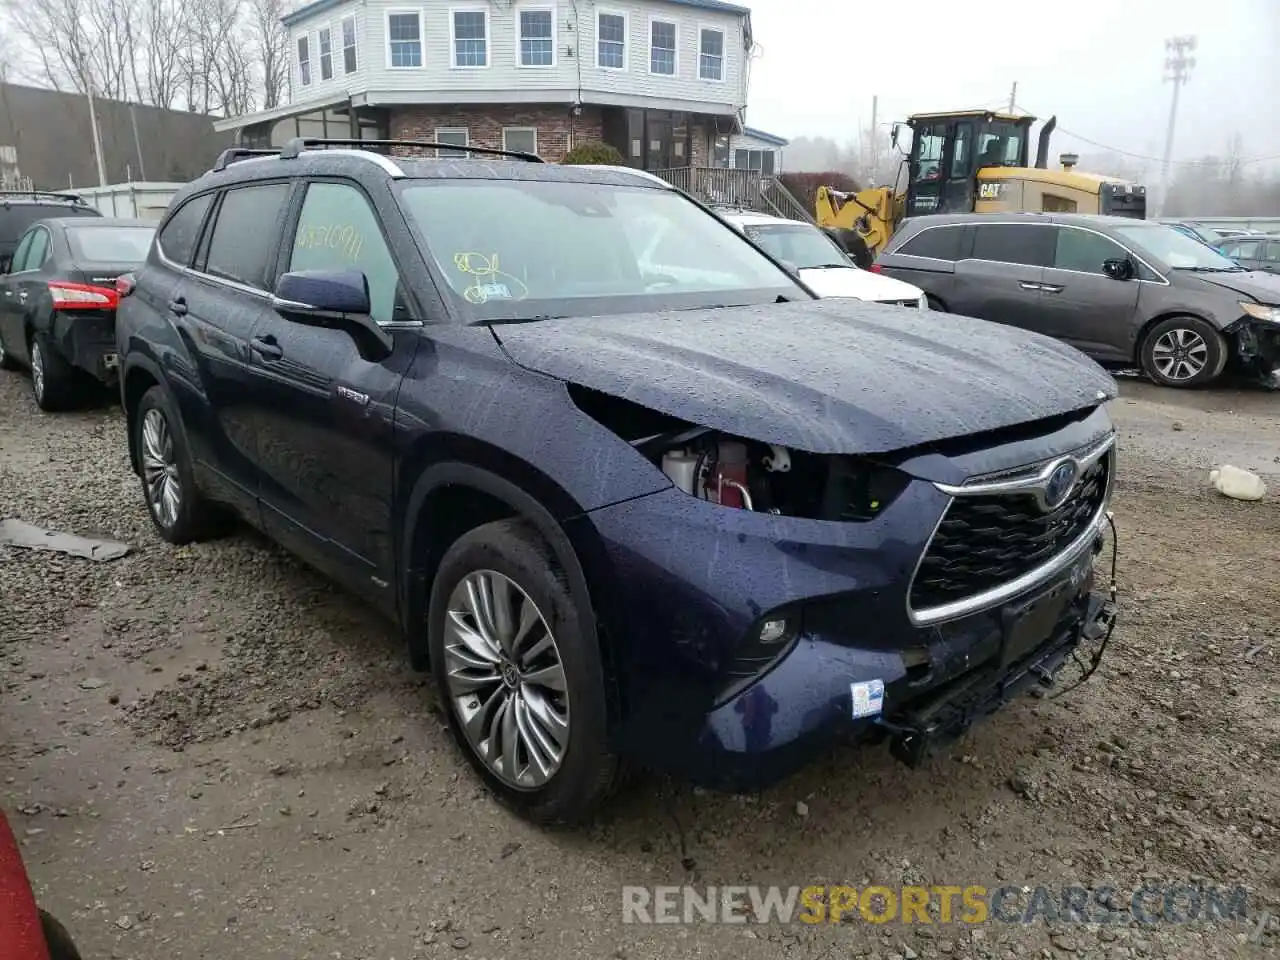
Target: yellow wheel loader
pixel 975 162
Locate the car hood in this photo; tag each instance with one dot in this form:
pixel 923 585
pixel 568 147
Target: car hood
pixel 858 284
pixel 824 376
pixel 1263 287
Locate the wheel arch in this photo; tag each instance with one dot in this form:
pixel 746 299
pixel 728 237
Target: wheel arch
pixel 139 376
pixel 453 484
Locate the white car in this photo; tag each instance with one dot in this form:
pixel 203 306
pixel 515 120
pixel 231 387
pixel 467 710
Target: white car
pixel 823 266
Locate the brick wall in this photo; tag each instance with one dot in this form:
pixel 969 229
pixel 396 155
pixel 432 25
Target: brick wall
pixel 557 128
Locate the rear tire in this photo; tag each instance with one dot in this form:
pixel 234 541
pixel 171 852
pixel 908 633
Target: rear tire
pixel 1183 352
pixel 53 380
pixel 179 512
pixel 520 677
pixel 6 359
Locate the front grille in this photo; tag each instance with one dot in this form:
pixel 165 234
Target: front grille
pixel 987 541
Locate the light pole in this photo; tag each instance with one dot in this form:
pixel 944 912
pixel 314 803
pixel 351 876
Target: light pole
pixel 1178 62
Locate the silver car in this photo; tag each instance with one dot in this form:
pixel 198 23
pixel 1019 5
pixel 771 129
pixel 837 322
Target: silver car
pixel 1126 292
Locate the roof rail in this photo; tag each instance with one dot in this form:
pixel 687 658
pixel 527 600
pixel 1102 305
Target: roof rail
pixel 232 154
pixel 6 195
pixel 297 145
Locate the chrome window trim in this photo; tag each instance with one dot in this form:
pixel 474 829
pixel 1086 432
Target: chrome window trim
pixel 1035 479
pixel 1162 282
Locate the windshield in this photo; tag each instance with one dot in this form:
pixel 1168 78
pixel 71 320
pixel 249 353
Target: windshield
pixel 524 249
pixel 799 245
pixel 110 244
pixel 1176 249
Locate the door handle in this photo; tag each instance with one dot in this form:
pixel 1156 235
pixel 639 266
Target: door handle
pixel 1051 287
pixel 1025 285
pixel 178 306
pixel 266 347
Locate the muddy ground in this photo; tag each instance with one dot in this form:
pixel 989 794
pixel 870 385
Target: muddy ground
pixel 210 752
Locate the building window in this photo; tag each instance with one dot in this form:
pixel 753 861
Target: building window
pixel 404 39
pixel 711 54
pixel 611 41
pixel 720 152
pixel 762 160
pixel 662 47
pixel 326 53
pixel 520 139
pixel 537 38
pixel 455 136
pixel 349 44
pixel 470 38
pixel 304 60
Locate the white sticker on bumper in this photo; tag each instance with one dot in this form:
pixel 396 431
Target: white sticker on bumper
pixel 868 698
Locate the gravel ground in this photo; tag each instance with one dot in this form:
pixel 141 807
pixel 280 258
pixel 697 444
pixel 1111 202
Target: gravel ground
pixel 211 752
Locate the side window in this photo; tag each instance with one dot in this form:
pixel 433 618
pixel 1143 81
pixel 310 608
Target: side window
pixel 960 153
pixel 937 243
pixel 1245 250
pixel 178 238
pixel 1272 252
pixel 339 230
pixel 242 246
pixel 38 250
pixel 20 254
pixel 929 155
pixel 1084 251
pixel 1029 244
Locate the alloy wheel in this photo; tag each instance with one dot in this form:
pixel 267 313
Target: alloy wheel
pixel 37 370
pixel 160 469
pixel 1179 354
pixel 506 679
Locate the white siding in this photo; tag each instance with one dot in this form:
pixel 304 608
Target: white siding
pixel 575 64
pixel 744 142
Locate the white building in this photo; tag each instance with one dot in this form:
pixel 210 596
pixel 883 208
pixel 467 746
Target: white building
pixel 663 81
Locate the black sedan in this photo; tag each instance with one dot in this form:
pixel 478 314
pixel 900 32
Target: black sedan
pixel 58 301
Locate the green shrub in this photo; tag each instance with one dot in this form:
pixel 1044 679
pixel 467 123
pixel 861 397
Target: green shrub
pixel 593 151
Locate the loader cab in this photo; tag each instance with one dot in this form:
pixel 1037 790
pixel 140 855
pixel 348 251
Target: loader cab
pixel 947 151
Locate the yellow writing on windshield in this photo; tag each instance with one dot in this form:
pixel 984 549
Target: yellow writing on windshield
pixel 491 282
pixel 346 238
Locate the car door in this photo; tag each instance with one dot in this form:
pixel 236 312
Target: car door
pixel 1000 278
pixel 1270 256
pixel 324 412
pixel 26 290
pixel 217 308
pixel 1079 303
pixel 10 317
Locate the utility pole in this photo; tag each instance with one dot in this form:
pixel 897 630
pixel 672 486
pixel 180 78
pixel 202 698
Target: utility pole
pixel 1013 96
pixel 1178 62
pixel 873 138
pixel 93 124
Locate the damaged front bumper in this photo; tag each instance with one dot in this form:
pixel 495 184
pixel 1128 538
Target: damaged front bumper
pixel 1256 349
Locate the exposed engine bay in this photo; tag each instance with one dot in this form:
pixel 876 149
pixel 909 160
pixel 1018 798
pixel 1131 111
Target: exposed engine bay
pixel 765 478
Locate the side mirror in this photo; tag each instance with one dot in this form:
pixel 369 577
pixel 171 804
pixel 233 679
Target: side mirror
pixel 6 261
pixel 338 299
pixel 1118 269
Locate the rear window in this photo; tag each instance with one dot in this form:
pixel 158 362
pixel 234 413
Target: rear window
pixel 937 243
pixel 110 244
pixel 16 217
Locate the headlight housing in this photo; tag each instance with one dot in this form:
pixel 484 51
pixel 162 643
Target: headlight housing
pixel 1261 311
pixel 923 302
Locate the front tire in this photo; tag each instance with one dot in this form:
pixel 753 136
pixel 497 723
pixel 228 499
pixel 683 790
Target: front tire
pixel 179 512
pixel 53 380
pixel 1183 352
pixel 519 674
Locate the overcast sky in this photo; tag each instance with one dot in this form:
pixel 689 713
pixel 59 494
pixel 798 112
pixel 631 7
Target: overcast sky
pixel 1097 64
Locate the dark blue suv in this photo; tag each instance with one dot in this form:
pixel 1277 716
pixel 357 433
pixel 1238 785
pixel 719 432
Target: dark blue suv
pixel 628 488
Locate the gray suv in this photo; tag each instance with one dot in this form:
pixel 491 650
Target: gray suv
pixel 1123 291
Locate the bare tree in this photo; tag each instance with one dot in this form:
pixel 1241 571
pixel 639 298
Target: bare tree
pixel 273 50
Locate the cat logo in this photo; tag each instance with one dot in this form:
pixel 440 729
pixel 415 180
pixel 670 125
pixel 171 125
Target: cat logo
pixel 990 191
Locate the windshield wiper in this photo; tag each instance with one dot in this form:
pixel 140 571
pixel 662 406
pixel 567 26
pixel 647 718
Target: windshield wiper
pixel 490 321
pixel 1212 269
